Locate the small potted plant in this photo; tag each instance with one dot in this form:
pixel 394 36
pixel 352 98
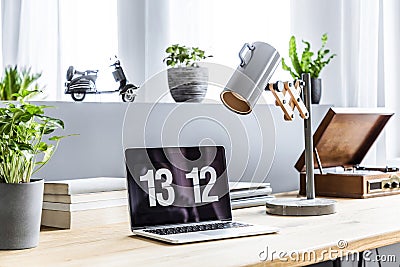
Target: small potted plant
pixel 15 81
pixel 309 65
pixel 27 142
pixel 187 81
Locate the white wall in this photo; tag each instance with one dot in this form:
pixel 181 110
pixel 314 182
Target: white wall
pixel 105 129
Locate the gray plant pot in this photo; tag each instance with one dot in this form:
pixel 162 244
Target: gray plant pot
pixel 20 214
pixel 316 89
pixel 188 84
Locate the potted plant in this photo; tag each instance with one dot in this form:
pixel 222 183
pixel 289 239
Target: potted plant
pixel 14 82
pixel 309 65
pixel 27 142
pixel 187 81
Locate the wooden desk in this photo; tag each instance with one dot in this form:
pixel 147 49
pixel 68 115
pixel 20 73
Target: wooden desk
pixel 363 223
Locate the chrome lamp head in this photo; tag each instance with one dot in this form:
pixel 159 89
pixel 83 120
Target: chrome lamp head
pixel 258 62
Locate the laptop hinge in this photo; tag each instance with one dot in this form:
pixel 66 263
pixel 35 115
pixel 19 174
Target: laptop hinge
pixel 175 224
pixel 137 228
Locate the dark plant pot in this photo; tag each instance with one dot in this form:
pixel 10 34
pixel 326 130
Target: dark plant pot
pixel 188 84
pixel 20 214
pixel 316 87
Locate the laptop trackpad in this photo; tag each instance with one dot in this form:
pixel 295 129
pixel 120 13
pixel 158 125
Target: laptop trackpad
pixel 238 231
pixel 222 232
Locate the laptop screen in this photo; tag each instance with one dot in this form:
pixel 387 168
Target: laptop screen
pixel 172 185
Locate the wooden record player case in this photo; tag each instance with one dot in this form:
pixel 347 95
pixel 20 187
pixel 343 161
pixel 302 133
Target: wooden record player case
pixel 342 140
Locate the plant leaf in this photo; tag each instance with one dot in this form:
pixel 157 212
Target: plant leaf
pixel 56 138
pixel 42 146
pixel 293 56
pixel 22 127
pixel 287 68
pixel 180 55
pixel 18 84
pixel 48 153
pixel 308 63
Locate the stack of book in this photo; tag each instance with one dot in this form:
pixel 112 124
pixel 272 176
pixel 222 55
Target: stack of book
pixel 246 194
pixel 87 202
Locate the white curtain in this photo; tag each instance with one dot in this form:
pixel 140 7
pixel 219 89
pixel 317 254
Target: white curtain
pixel 10 12
pixel 359 53
pixel 369 68
pixel 31 39
pixel 364 34
pixel 391 72
pixel 1 39
pixel 360 44
pixel 143 30
pixel 50 35
pixel 39 43
pixel 147 28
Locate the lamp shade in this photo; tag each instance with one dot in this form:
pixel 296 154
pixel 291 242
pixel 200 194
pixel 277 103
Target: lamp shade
pixel 258 62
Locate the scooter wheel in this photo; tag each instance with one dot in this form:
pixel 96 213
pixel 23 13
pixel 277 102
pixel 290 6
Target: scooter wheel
pixel 129 95
pixel 78 96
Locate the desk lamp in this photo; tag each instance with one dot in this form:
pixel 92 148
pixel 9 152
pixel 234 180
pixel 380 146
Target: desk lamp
pixel 258 62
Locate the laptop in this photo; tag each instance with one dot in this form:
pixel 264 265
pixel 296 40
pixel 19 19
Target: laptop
pixel 181 195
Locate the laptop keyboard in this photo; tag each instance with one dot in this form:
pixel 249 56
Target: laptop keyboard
pixel 195 228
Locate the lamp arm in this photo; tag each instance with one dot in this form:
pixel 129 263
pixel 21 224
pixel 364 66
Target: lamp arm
pixel 288 97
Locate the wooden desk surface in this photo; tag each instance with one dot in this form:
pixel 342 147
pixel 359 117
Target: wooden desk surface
pixel 363 223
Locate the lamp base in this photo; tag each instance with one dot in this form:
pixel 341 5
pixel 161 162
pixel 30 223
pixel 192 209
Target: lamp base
pixel 300 206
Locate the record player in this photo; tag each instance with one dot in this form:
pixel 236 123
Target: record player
pixel 341 142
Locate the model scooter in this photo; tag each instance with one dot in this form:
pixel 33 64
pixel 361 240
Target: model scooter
pixel 80 83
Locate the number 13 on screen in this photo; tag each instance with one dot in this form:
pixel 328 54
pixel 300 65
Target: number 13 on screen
pixel 199 198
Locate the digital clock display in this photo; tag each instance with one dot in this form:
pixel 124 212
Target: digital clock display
pixel 177 185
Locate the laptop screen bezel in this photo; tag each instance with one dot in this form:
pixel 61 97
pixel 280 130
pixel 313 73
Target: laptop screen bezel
pixel 129 176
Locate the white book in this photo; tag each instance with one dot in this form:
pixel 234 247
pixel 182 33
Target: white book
pixel 251 193
pixel 85 218
pixel 250 202
pixel 85 205
pixel 82 186
pixel 79 198
pixel 237 186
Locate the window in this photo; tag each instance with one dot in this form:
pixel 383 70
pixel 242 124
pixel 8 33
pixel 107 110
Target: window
pixel 222 27
pixel 54 35
pixel 89 38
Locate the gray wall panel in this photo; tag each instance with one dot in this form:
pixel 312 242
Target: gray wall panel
pixel 98 149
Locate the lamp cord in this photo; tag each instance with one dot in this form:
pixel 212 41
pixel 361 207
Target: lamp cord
pixel 360 259
pixel 337 263
pixel 379 260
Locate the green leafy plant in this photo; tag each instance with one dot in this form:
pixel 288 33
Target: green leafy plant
pixel 27 140
pixel 307 64
pixel 181 56
pixel 17 81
